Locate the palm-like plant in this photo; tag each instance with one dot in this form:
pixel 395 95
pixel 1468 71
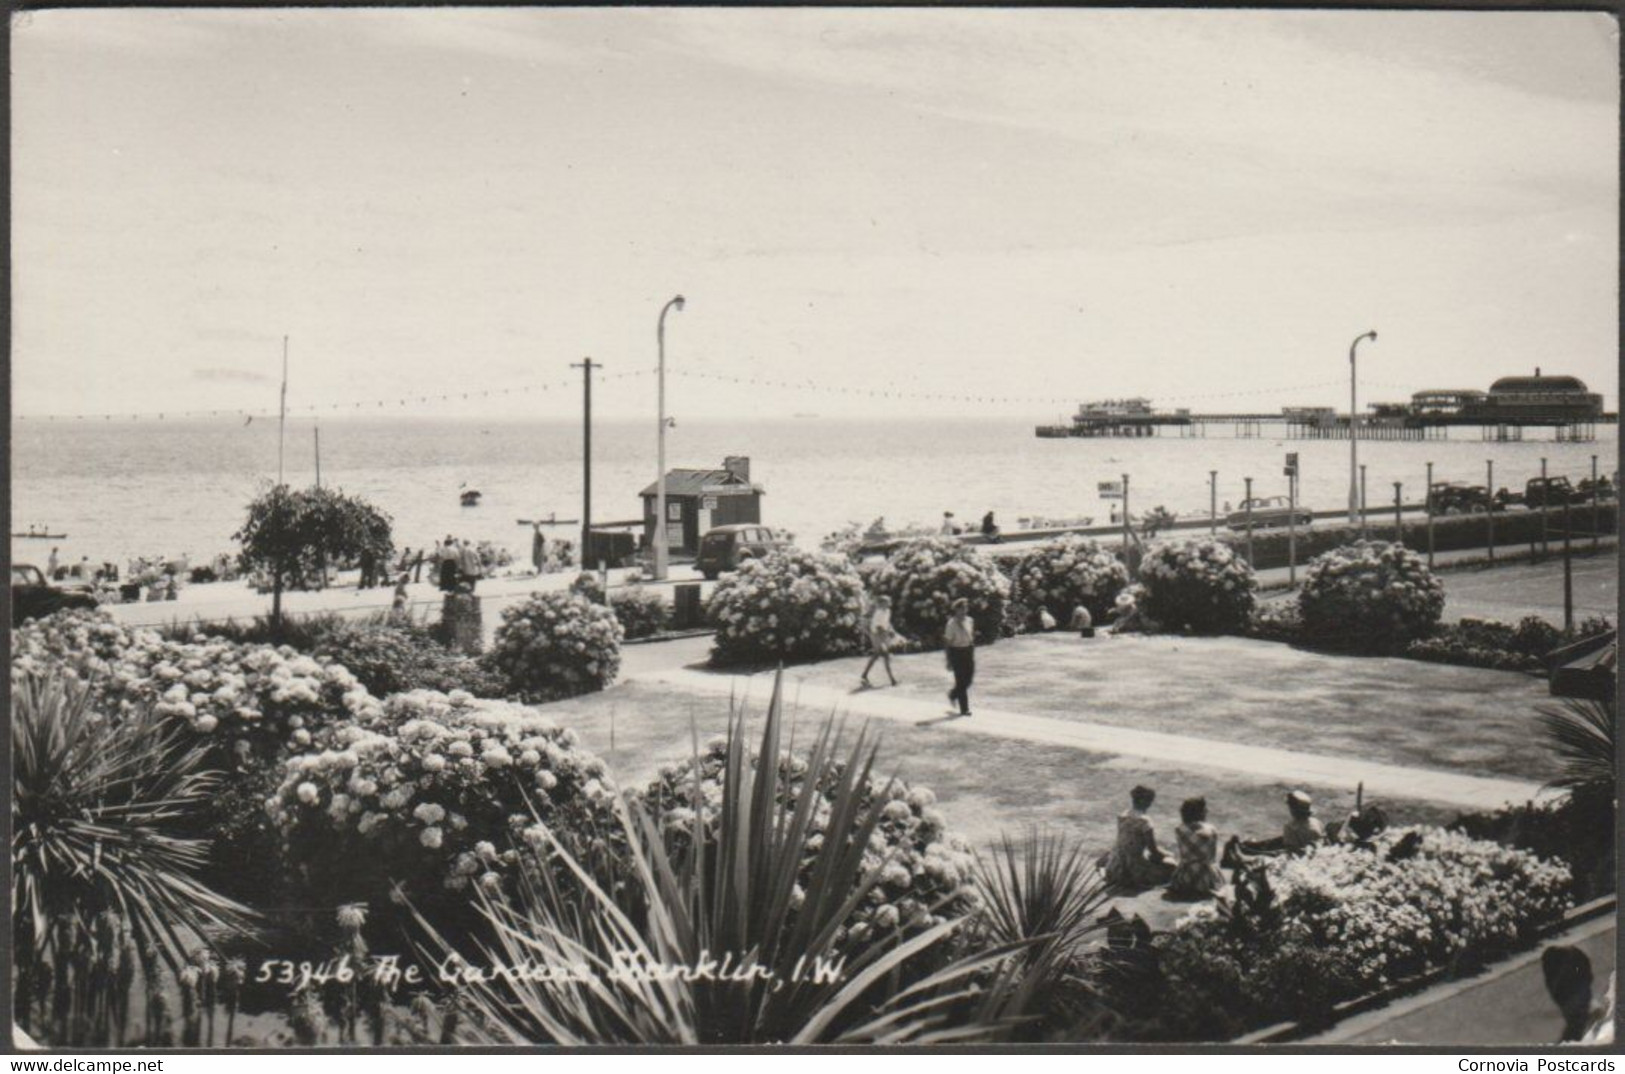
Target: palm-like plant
pixel 1045 892
pixel 1581 735
pixel 718 942
pixel 99 811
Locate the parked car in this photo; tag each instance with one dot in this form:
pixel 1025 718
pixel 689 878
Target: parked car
pixel 1269 512
pixel 1459 498
pixel 724 548
pixel 32 597
pixel 1552 492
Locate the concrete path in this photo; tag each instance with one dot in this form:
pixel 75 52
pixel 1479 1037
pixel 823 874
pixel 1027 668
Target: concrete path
pixel 1381 780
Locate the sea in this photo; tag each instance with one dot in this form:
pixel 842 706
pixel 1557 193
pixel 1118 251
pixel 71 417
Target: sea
pixel 180 488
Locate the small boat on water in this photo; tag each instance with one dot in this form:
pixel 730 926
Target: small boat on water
pixel 37 535
pixel 470 498
pixel 550 520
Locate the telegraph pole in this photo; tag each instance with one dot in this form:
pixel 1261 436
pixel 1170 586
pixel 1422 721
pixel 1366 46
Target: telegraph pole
pixel 586 365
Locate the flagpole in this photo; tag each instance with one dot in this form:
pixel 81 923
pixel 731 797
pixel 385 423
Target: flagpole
pixel 282 417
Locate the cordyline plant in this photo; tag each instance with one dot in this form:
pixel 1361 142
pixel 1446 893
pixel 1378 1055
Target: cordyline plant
pixel 1581 736
pixel 733 894
pixel 103 874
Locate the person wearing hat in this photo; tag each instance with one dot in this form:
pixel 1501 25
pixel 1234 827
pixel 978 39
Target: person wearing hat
pixel 1302 830
pixel 959 636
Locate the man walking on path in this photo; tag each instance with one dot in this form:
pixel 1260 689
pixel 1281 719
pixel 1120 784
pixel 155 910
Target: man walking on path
pixel 468 564
pixel 960 638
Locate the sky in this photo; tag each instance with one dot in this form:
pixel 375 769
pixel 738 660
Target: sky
pixel 1017 209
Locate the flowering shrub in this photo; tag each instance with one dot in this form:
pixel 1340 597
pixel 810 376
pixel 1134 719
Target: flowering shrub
pixel 1371 594
pixel 433 792
pixel 1353 920
pixel 925 576
pixel 1068 571
pixel 1198 585
pixel 927 874
pixel 389 659
pixel 641 612
pixel 556 645
pixel 589 585
pixel 788 605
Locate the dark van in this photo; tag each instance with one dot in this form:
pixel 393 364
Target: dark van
pixel 726 547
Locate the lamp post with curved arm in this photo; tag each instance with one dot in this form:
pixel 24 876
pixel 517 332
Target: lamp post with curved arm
pixel 1354 433
pixel 660 549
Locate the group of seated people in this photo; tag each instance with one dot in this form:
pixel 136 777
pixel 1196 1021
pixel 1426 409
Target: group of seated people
pixel 1136 862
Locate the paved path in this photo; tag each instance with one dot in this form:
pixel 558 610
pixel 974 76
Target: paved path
pixel 1381 780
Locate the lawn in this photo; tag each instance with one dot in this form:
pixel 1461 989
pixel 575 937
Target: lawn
pixel 1004 786
pixel 1394 711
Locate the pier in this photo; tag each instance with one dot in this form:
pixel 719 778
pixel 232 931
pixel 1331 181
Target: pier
pixel 1291 426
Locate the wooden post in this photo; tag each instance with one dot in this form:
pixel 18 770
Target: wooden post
pixel 1292 529
pixel 1596 519
pixel 1429 508
pixel 1213 498
pixel 1545 507
pixel 1399 509
pixel 1127 553
pixel 1248 506
pixel 1489 516
pixel 1363 530
pixel 1568 572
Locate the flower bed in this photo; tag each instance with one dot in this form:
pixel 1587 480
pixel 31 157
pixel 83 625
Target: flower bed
pixel 589 585
pixel 1200 586
pixel 433 792
pixel 1371 595
pixel 1063 573
pixel 556 645
pixel 787 605
pixel 925 576
pixel 642 612
pixel 927 874
pixel 1347 921
pixel 389 659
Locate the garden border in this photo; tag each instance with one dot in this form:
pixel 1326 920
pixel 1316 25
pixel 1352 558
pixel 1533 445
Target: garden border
pixel 1413 987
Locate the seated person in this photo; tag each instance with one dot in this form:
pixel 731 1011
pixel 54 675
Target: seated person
pixel 1046 621
pixel 1197 876
pixel 1135 861
pixel 1082 622
pixel 1302 830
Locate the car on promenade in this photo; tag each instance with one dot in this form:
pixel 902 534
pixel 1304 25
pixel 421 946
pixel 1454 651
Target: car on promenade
pixel 1459 498
pixel 725 548
pixel 1268 512
pixel 32 597
pixel 1552 492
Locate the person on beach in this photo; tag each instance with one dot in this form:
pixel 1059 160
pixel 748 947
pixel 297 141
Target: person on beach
pixel 469 568
pixel 990 528
pixel 1135 862
pixel 1302 830
pixel 948 529
pixel 52 564
pixel 1197 875
pixel 960 639
pixel 538 547
pixel 882 637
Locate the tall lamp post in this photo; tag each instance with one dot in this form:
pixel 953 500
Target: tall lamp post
pixel 1354 433
pixel 660 549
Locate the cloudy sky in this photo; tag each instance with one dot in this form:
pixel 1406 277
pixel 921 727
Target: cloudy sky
pixel 1199 206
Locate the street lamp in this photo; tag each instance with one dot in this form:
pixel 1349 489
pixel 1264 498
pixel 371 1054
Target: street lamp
pixel 1354 432
pixel 660 451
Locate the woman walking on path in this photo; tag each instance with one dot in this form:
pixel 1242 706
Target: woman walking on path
pixel 881 639
pixel 960 638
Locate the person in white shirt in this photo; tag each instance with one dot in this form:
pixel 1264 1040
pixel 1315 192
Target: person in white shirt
pixel 960 638
pixel 948 528
pixel 881 639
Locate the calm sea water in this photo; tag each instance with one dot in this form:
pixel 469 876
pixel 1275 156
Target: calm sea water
pixel 172 488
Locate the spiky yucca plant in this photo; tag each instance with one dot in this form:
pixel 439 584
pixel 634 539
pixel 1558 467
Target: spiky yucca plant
pixel 99 809
pixel 1581 735
pixel 611 960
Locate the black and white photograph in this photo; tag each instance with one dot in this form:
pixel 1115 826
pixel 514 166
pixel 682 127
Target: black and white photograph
pixel 568 528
